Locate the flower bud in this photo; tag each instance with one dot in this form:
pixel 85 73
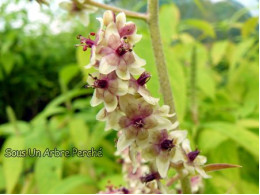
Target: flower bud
pixel 108 17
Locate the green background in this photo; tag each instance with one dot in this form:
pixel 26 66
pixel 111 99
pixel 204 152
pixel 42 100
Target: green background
pixel 212 57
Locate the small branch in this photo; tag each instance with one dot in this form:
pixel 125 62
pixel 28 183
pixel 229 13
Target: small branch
pixel 130 14
pixel 153 23
pixel 173 179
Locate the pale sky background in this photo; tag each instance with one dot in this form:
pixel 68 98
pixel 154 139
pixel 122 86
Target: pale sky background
pixel 35 14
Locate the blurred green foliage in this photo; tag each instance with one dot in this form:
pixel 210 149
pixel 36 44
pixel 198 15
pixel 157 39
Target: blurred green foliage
pixel 43 104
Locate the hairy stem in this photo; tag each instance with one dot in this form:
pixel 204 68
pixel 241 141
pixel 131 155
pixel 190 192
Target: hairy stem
pixel 130 14
pixel 153 22
pixel 193 90
pixel 185 185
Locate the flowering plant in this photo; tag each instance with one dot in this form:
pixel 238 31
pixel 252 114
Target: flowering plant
pixel 149 140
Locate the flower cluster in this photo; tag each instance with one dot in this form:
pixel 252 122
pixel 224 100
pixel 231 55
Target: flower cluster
pixel 120 84
pixel 79 9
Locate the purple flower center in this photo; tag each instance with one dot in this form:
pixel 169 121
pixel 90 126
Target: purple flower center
pixel 192 155
pixel 144 78
pixel 167 144
pixel 123 48
pixel 125 191
pixel 138 123
pixel 101 84
pixel 150 177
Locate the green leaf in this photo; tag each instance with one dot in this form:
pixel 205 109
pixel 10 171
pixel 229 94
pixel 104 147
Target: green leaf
pixel 178 84
pixel 147 54
pixel 249 26
pixel 206 82
pixel 8 128
pixel 48 172
pixel 98 134
pixel 251 188
pixel 202 25
pixel 169 18
pixel 2 178
pixel 67 73
pixel 210 140
pixel 68 184
pixel 238 53
pixel 227 152
pixel 222 184
pixel 8 62
pixel 248 123
pixel 12 166
pixel 218 51
pixel 242 136
pixel 79 133
pixel 83 59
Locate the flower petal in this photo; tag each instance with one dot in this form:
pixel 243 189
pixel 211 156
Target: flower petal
pixel 113 120
pixel 202 172
pixel 84 18
pixel 162 166
pixel 105 67
pixel 124 75
pixel 135 38
pixel 138 61
pixel 112 33
pixel 123 142
pixel 178 135
pixel 66 5
pixel 178 156
pixel 110 104
pixel 101 115
pixel 200 160
pixel 94 100
pixel 122 87
pixel 136 70
pixel 145 94
pixel 120 20
pixel 186 146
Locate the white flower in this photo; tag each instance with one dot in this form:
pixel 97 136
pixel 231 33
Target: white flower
pixel 163 148
pixel 76 8
pixel 107 89
pixel 193 161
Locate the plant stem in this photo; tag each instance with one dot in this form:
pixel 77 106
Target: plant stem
pixel 185 185
pixel 153 23
pixel 130 14
pixel 193 90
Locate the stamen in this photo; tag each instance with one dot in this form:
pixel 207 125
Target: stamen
pixel 193 155
pixel 139 123
pixel 100 84
pixel 86 42
pixel 167 144
pixel 144 78
pixel 123 48
pixel 150 177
